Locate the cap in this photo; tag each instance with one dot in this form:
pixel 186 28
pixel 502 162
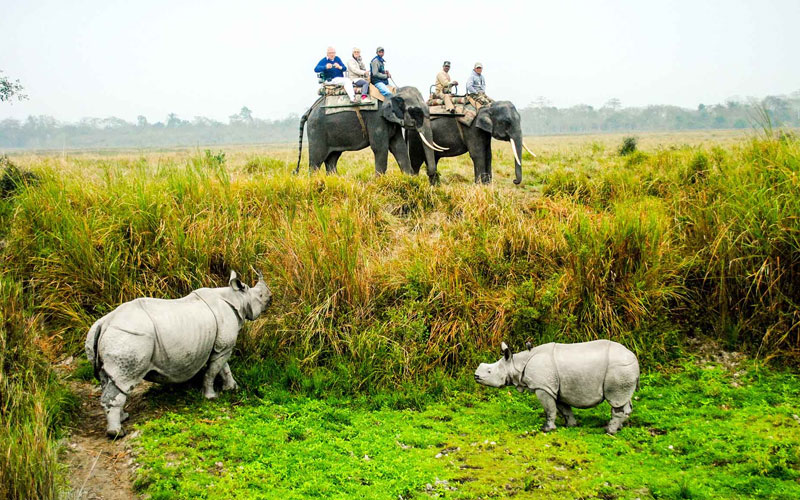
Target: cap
pixel 478 65
pixel 378 49
pixel 446 63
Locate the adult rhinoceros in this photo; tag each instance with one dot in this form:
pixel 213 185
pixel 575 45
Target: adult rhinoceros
pixel 170 341
pixel 566 375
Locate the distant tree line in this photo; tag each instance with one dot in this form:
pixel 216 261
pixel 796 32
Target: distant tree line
pixel 538 118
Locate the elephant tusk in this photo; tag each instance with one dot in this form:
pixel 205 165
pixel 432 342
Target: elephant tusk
pixel 528 150
pixel 438 146
pixel 425 141
pixel 514 150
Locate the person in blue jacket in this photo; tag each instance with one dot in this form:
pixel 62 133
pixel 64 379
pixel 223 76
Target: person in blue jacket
pixel 380 77
pixel 332 69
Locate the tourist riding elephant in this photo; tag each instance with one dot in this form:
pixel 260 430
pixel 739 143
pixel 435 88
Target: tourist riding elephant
pixel 382 130
pixel 499 120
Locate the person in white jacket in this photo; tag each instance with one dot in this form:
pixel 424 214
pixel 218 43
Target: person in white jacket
pixel 358 73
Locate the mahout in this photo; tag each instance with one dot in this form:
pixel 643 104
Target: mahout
pixel 563 376
pixel 498 120
pixel 170 341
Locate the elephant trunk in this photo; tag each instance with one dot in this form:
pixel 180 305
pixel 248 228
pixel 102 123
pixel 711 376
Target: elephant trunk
pixel 426 134
pixel 516 148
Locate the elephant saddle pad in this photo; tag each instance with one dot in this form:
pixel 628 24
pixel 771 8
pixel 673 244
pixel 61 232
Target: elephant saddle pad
pixel 341 103
pixel 465 113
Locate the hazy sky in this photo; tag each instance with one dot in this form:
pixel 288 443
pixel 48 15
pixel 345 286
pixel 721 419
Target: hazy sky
pixel 127 58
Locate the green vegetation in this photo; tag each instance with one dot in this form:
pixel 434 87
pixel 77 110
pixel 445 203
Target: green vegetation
pixel 703 431
pixel 389 283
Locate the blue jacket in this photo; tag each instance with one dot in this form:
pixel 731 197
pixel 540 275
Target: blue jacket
pixel 378 71
pixel 330 74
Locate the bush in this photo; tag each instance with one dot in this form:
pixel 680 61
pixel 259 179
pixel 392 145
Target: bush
pixel 628 146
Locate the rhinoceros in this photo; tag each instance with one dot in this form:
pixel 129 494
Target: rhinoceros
pixel 170 341
pixel 566 375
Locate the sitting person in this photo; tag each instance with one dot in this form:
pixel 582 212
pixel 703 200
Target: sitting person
pixel 358 73
pixel 444 86
pixel 476 87
pixel 380 77
pixel 332 69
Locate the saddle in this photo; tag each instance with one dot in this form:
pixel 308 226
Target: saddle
pixel 465 112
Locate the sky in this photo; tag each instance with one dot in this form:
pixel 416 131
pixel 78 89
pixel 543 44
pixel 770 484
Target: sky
pixel 87 58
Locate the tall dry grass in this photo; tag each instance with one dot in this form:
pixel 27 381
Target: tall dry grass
pixel 389 281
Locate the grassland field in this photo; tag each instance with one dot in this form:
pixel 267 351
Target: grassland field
pixel 388 293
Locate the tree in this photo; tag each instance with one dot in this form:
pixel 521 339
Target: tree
pixel 141 121
pixel 9 89
pixel 613 104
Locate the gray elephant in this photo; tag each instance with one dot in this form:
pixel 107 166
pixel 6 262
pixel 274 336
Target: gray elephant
pixel 499 120
pixel 566 375
pixel 170 341
pixel 331 134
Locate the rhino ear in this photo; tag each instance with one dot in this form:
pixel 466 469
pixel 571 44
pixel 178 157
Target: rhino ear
pixel 528 345
pixel 506 351
pixel 235 283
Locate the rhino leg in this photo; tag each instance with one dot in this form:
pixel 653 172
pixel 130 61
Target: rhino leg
pixel 228 383
pixel 113 401
pixel 550 411
pixel 619 414
pixel 566 411
pixel 215 365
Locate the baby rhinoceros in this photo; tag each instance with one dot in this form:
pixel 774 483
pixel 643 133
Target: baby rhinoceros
pixel 170 341
pixel 563 376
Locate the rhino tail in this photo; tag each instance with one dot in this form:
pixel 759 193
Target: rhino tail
pixel 91 347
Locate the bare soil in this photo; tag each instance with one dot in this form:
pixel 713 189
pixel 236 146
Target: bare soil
pixel 99 467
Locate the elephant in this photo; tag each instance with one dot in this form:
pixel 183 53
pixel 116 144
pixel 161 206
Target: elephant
pixel 499 120
pixel 383 130
pixel 170 341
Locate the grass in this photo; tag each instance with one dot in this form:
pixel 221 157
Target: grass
pixel 703 430
pixel 385 283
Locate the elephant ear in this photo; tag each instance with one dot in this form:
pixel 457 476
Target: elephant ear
pixel 394 109
pixel 484 121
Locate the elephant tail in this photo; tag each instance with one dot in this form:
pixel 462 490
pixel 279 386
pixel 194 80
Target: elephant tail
pixel 92 340
pixel 303 120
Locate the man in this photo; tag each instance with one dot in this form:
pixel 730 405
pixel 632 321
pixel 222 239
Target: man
pixel 380 77
pixel 332 69
pixel 444 86
pixel 358 73
pixel 476 87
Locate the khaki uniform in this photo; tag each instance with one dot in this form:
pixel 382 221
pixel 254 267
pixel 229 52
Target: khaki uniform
pixel 443 89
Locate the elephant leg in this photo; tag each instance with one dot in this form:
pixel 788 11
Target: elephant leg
pixel 487 163
pixel 316 156
pixel 477 151
pixel 550 411
pixel 113 402
pixel 381 158
pixel 399 150
pixel 331 161
pixel 228 383
pixel 214 367
pixel 566 411
pixel 619 414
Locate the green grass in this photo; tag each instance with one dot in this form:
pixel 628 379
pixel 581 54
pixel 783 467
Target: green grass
pixel 387 282
pixel 701 431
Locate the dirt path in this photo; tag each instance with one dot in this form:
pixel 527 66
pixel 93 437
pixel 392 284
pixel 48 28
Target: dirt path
pixel 101 468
